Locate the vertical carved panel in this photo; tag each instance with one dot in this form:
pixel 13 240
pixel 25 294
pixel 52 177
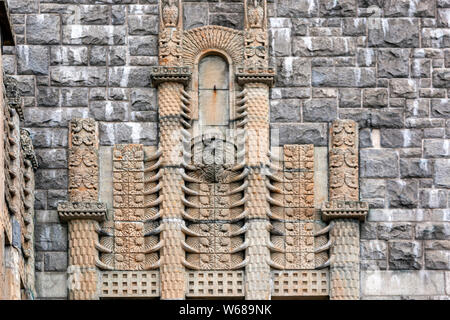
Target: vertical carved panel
pixel 128 202
pixel 83 160
pixel 344 161
pixel 293 203
pixel 256 37
pixel 170 35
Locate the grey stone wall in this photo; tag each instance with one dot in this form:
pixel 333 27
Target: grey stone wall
pixel 383 63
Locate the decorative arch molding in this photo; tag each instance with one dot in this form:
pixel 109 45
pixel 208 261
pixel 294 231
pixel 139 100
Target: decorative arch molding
pixel 212 38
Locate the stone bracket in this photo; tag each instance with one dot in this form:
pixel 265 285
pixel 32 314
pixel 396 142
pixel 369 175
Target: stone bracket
pixel 248 74
pixel 82 211
pixel 161 74
pixel 339 209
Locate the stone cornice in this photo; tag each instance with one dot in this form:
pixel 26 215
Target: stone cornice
pixel 339 209
pixel 82 211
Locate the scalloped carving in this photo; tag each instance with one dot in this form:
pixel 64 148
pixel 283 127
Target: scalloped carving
pixel 210 38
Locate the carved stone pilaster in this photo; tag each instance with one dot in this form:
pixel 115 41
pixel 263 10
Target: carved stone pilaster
pixel 344 210
pixel 83 212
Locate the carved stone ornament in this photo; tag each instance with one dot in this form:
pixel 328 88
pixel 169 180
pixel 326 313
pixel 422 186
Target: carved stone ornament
pixel 13 95
pixel 338 209
pixel 82 210
pixel 172 74
pixel 249 74
pixel 27 147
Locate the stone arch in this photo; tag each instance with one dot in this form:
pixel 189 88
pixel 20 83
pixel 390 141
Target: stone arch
pixel 212 38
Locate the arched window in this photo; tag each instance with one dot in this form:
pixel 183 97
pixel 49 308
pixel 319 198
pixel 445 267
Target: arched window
pixel 213 91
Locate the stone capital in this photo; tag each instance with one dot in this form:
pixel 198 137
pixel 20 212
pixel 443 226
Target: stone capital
pixel 82 211
pixel 161 74
pixel 252 74
pixel 340 209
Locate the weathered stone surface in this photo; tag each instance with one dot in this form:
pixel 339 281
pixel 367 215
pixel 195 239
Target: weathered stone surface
pixel 343 77
pixel 143 45
pixel 78 76
pixel 287 110
pixel 323 46
pixel 368 231
pixel 373 250
pixel 440 108
pixel 281 42
pixel 55 261
pixel 51 284
pixel 50 237
pixel 51 179
pixel 393 63
pixel 143 99
pixel 400 32
pixel 43 29
pixel 129 77
pixel 376 163
pixel 320 110
pixel 405 255
pixel 372 188
pixel 401 138
pixel 433 198
pixel 298 8
pixel 403 88
pixel 304 133
pixel 437 259
pixel 33 60
pixel 143 25
pixel 349 98
pixel 389 231
pixel 442 173
pixel 109 110
pixel 441 78
pixel 397 283
pixel 415 168
pixel 69 55
pixel 93 34
pixel 436 148
pixel 293 72
pixel 433 230
pixel 402 193
pixel 375 97
pixel 52 159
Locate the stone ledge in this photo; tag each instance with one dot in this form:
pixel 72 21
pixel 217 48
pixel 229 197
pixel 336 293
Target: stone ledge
pixel 82 211
pixel 337 209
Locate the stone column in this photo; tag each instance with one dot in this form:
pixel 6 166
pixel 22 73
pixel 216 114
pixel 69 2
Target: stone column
pixel 170 82
pixel 83 211
pixel 257 285
pixel 344 210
